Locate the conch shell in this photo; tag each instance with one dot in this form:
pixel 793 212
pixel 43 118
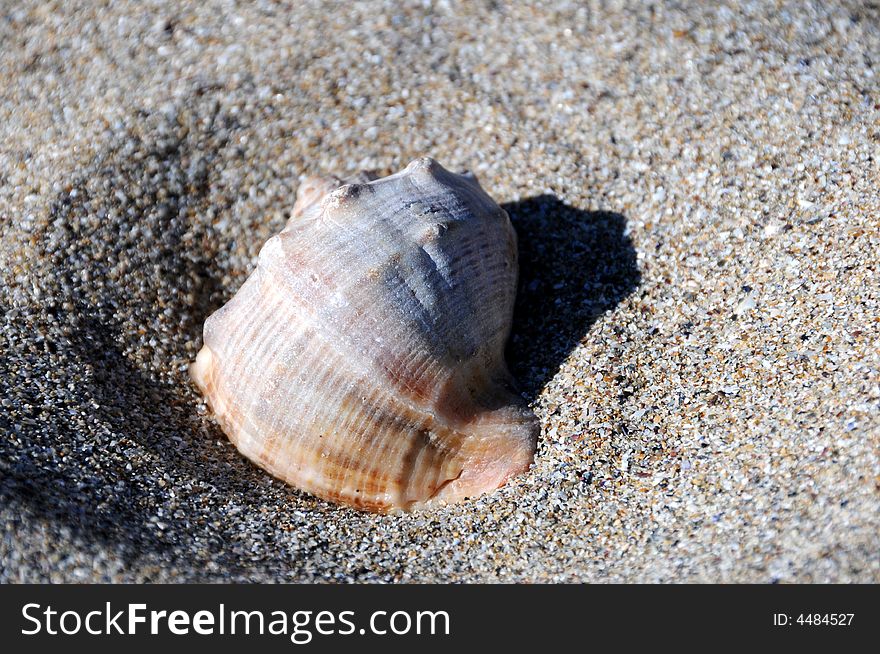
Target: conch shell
pixel 363 360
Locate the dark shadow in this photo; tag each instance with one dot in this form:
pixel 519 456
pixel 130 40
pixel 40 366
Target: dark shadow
pixel 574 266
pixel 108 487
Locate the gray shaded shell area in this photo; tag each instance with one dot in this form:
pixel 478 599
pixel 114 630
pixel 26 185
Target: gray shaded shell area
pixel 363 361
pixel 444 250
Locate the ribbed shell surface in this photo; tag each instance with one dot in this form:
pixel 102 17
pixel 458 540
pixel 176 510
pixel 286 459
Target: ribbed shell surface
pixel 363 360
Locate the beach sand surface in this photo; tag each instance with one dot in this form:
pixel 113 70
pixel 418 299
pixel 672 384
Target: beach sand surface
pixel 696 194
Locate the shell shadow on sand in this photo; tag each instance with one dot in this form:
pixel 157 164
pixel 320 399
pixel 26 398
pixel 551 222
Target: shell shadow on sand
pixel 115 451
pixel 574 266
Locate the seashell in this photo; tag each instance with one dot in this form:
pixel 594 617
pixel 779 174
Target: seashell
pixel 363 360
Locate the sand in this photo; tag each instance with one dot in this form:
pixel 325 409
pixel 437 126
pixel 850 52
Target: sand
pixel 696 194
